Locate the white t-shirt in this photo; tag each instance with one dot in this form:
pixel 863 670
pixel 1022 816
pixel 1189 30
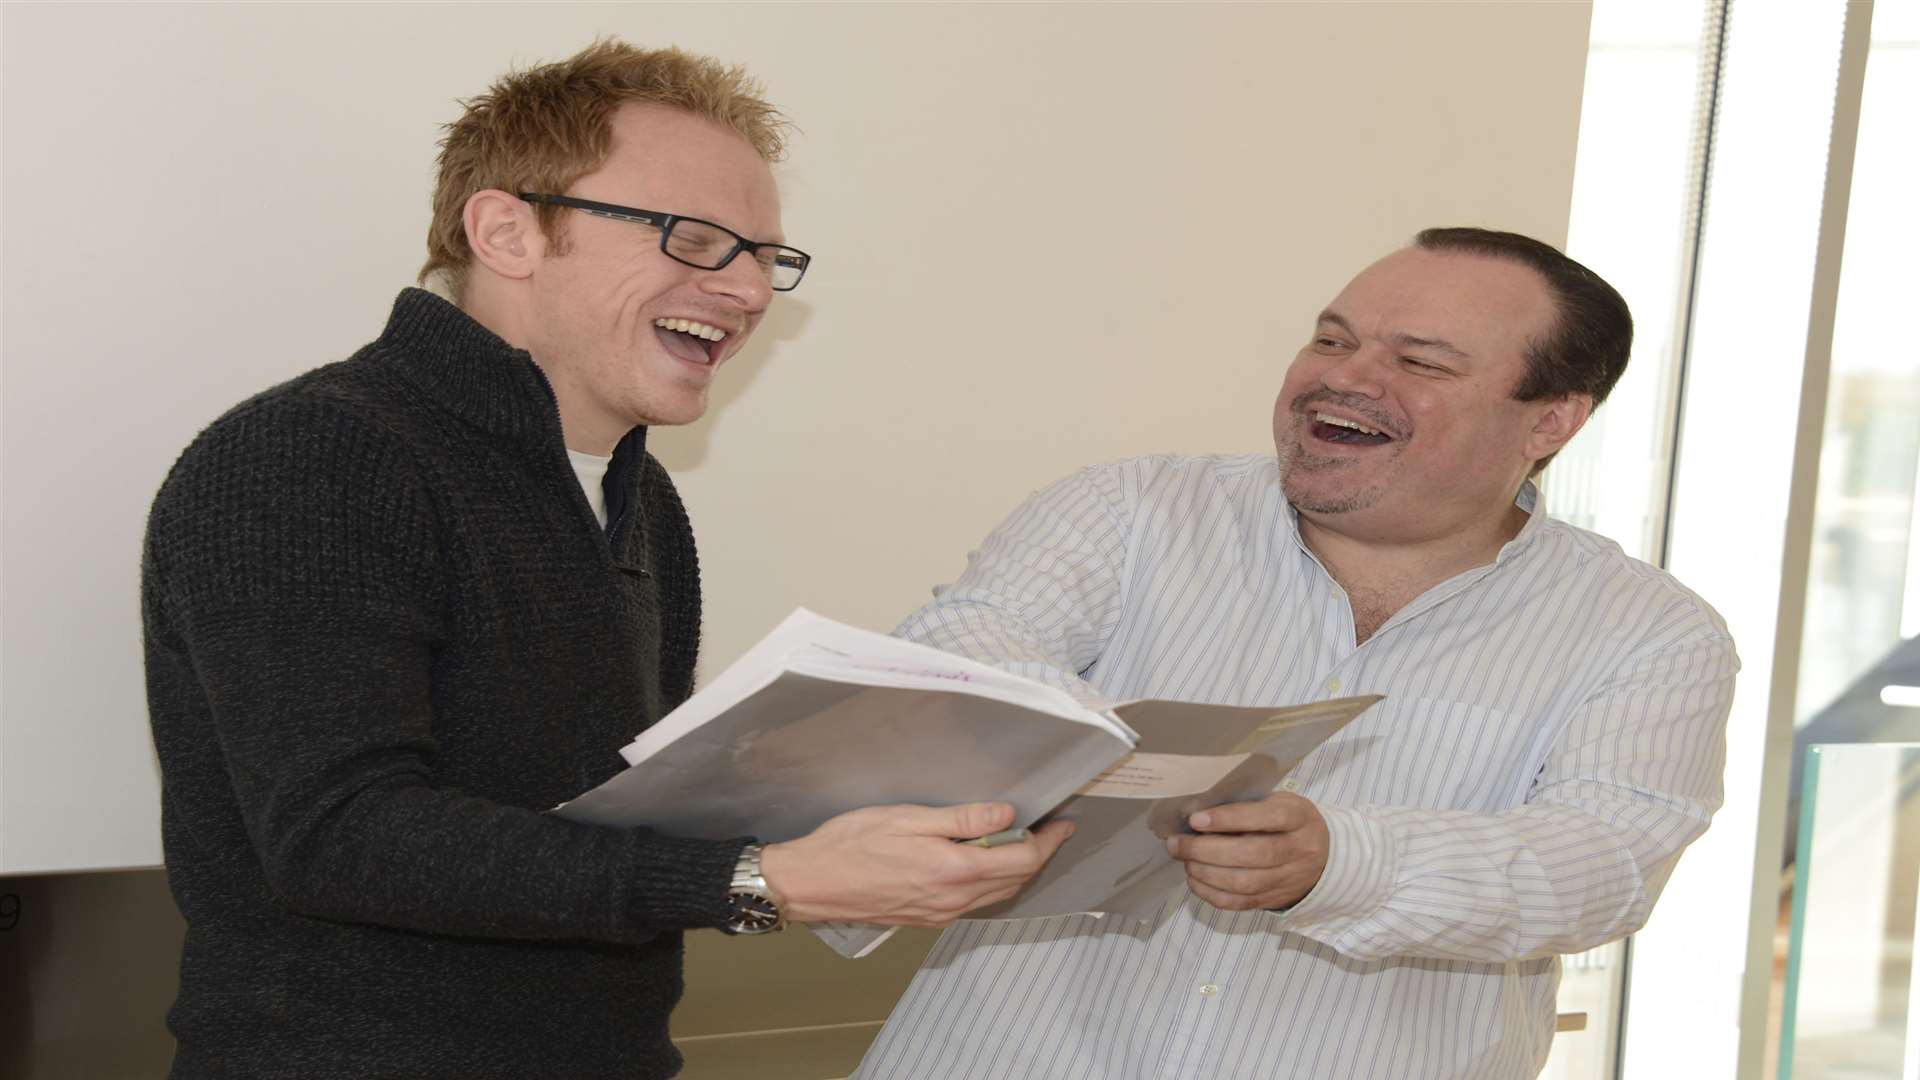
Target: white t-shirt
pixel 591 470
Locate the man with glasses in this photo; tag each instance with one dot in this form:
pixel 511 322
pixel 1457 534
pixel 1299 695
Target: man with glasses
pixel 401 606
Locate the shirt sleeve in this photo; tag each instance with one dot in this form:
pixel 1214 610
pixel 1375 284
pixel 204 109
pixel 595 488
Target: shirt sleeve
pixel 1043 594
pixel 1633 778
pixel 294 605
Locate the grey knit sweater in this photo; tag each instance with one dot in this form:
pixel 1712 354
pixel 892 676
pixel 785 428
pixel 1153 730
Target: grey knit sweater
pixel 384 633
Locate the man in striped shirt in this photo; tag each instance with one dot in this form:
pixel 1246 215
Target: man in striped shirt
pixel 1551 736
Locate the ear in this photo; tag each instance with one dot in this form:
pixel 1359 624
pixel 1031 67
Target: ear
pixel 503 233
pixel 1557 423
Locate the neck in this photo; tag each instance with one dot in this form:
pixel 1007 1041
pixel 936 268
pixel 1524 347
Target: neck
pixel 579 438
pixel 497 313
pixel 483 305
pixel 1405 566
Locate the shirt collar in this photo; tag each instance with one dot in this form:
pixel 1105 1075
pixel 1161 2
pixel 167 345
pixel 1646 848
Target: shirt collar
pixel 1533 502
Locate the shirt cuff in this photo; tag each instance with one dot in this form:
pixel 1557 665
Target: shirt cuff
pixel 1361 861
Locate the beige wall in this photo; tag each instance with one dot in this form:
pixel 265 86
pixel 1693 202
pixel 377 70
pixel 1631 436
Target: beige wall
pixel 1047 234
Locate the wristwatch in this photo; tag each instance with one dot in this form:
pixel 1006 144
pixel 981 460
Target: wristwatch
pixel 750 904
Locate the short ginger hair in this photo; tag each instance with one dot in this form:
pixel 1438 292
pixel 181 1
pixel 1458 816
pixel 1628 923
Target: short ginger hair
pixel 544 128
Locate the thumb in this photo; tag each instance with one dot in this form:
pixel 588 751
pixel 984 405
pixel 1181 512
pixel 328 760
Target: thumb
pixel 963 822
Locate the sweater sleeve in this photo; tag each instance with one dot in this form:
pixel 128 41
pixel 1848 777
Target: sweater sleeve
pixel 293 610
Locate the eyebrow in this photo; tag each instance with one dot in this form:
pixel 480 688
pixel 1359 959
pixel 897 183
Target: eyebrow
pixel 1401 340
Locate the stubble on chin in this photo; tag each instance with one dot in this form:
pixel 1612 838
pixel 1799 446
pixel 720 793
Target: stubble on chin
pixel 1319 485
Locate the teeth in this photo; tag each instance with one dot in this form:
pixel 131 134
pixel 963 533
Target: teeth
pixel 688 326
pixel 1338 421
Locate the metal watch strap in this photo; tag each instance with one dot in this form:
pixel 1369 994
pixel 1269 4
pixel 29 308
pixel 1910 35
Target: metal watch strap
pixel 751 909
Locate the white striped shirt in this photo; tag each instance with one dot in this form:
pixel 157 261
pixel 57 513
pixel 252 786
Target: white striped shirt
pixel 1552 737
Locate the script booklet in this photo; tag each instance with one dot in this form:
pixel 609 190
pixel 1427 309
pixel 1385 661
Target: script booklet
pixel 820 718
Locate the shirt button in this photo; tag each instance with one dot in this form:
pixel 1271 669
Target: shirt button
pixel 1333 684
pixel 1289 784
pixel 1209 989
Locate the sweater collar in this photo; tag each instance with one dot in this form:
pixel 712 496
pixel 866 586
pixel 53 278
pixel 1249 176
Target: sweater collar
pixel 471 372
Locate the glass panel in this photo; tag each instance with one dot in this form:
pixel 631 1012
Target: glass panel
pixel 1589 1004
pixel 1693 1010
pixel 1642 125
pixel 1863 589
pixel 1859 646
pixel 1850 1009
pixel 1641 121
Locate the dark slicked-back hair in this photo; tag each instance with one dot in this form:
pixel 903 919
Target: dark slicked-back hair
pixel 1586 349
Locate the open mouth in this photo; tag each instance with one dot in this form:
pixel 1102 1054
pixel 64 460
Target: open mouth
pixel 1338 429
pixel 690 340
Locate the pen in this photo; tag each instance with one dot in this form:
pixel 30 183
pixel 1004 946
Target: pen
pixel 1004 836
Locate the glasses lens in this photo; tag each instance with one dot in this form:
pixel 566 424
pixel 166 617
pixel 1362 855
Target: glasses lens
pixel 784 266
pixel 698 243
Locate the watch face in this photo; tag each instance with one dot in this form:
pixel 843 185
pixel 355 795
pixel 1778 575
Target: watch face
pixel 752 913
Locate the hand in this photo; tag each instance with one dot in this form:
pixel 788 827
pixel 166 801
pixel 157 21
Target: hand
pixel 1266 854
pixel 899 865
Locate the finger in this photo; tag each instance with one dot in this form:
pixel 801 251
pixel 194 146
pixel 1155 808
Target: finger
pixel 963 822
pixel 1247 850
pixel 1237 881
pixel 1225 901
pixel 1021 860
pixel 988 899
pixel 1050 836
pixel 1276 813
pixel 1242 894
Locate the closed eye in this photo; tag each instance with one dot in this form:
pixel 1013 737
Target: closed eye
pixel 1422 365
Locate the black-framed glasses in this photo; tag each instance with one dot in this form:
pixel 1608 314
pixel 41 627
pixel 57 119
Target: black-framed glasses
pixel 699 244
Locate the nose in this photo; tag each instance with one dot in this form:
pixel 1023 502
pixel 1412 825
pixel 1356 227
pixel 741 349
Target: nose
pixel 1361 372
pixel 741 281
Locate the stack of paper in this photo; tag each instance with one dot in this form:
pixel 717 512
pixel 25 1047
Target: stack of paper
pixel 820 718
